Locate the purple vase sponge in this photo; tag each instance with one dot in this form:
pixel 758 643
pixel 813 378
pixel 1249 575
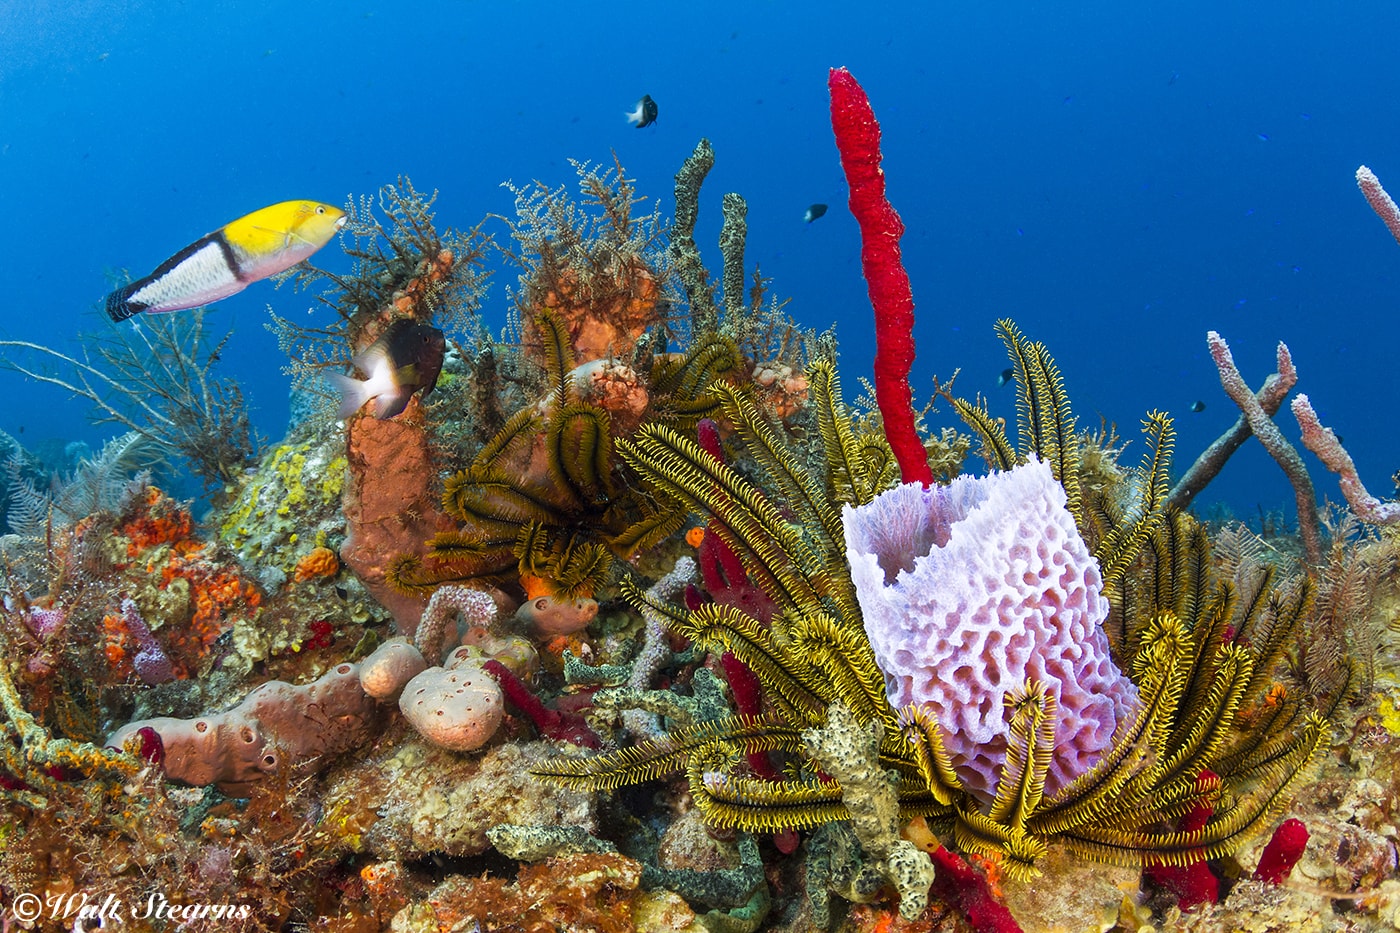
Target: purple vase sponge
pixel 969 590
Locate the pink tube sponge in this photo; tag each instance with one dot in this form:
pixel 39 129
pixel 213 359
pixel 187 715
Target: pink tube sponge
pixel 970 589
pixel 279 728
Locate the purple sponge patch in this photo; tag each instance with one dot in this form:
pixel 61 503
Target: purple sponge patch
pixel 969 590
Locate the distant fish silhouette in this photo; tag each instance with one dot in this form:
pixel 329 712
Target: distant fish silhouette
pixel 1006 376
pixel 1198 405
pixel 813 212
pixel 644 114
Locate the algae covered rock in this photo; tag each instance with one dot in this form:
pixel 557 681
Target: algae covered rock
pixel 1070 896
pixel 413 800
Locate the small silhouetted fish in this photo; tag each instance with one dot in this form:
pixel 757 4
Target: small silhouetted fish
pixel 1172 79
pixel 1263 137
pixel 813 212
pixel 406 357
pixel 1198 405
pixel 1006 376
pixel 644 114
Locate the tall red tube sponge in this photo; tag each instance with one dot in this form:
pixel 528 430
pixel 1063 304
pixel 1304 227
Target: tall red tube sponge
pixel 858 139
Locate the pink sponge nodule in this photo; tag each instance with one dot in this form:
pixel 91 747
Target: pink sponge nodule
pixel 969 590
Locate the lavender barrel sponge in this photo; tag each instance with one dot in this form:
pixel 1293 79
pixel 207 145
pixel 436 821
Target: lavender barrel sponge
pixel 970 589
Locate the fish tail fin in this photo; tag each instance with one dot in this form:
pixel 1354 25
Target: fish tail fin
pixel 119 305
pixel 352 393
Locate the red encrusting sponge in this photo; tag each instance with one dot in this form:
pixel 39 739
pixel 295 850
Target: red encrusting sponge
pixel 1282 852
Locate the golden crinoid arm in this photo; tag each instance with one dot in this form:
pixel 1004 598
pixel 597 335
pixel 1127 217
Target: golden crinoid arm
pixel 1274 630
pixel 842 661
pixel 578 444
pixel 925 743
pixel 797 690
pixel 849 478
pixel 556 352
pixel 799 491
pixel 660 518
pixel 1205 728
pixel 574 565
pixel 1017 850
pixel 474 561
pixel 670 754
pixel 774 553
pixel 1119 547
pixel 1045 422
pixel 484 494
pixel 682 379
pixel 1121 783
pixel 1229 827
pixel 1002 830
pixel 519 430
pixel 1030 745
pixel 755 805
pixel 996 447
pixel 804 497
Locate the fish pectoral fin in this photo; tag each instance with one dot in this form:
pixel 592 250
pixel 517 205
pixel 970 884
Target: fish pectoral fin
pixel 391 404
pixel 288 237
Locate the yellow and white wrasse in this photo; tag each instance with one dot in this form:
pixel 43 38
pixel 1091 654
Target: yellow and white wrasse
pixel 228 260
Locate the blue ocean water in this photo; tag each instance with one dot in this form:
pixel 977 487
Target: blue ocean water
pixel 1117 180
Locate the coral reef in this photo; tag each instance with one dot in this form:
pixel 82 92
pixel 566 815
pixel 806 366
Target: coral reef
pixel 631 625
pixel 406 800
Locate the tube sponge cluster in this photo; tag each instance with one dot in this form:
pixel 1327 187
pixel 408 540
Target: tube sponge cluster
pixel 969 590
pixel 278 728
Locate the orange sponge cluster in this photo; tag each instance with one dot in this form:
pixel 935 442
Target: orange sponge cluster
pixel 162 521
pixel 317 563
pixel 118 642
pixel 216 593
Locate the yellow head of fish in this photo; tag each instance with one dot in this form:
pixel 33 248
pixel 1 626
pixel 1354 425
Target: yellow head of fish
pixel 300 226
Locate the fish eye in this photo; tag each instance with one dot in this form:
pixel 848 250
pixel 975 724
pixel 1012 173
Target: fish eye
pixel 320 208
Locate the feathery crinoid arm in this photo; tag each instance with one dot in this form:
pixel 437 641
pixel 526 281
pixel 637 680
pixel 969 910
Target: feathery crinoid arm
pixel 1044 420
pixel 670 754
pixel 849 478
pixel 1117 550
pixel 774 553
pixel 996 447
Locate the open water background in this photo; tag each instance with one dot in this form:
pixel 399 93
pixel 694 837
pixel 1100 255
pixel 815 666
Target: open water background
pixel 1117 178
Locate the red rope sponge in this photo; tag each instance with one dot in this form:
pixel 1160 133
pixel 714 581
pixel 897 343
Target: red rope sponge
pixel 858 139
